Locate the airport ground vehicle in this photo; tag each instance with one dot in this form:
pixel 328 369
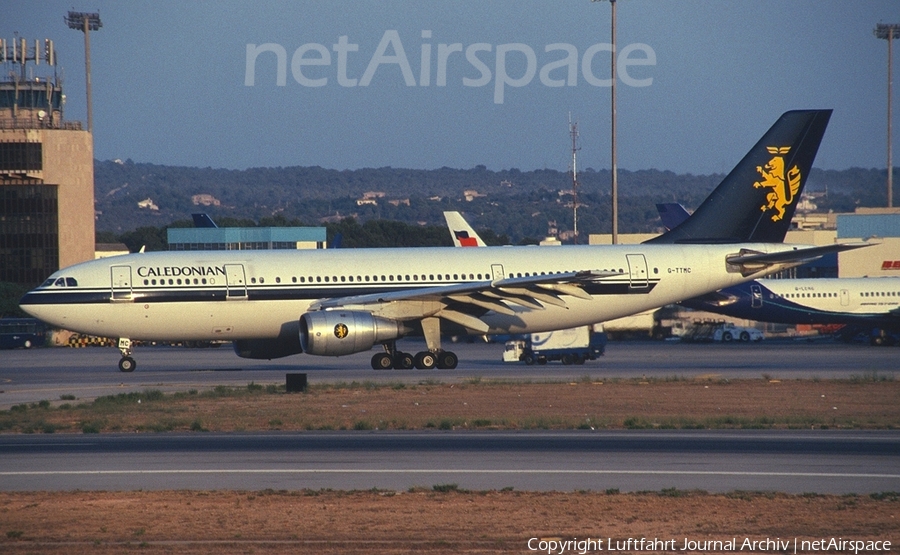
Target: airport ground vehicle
pixel 706 331
pixel 729 332
pixel 21 332
pixel 569 346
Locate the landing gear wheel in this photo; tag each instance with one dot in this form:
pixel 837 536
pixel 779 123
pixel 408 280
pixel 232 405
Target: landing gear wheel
pixel 382 361
pixel 127 364
pixel 425 360
pixel 403 361
pixel 447 360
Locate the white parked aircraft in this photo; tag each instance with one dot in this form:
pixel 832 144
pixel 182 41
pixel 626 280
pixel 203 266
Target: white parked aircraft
pixel 462 233
pixel 337 302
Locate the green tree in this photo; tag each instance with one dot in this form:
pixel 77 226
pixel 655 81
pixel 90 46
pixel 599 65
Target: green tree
pixel 10 294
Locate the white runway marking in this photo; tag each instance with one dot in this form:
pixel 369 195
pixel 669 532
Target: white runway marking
pixel 444 471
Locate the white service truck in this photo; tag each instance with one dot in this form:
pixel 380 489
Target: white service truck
pixel 569 346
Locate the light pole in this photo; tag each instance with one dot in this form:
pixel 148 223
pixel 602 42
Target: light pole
pixel 889 32
pixel 615 184
pixel 86 22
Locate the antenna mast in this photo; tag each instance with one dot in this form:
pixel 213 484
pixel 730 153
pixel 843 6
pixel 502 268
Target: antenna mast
pixel 573 131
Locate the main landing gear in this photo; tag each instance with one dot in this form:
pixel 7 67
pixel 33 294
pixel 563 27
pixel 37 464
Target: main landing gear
pixel 126 363
pixel 434 357
pixel 425 360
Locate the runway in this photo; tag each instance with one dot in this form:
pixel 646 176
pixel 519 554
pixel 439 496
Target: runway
pixel 29 376
pixel 715 461
pixel 791 461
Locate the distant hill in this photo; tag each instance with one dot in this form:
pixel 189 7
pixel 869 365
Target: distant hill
pixel 516 203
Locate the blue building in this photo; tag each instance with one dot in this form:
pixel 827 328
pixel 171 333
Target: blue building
pixel 245 238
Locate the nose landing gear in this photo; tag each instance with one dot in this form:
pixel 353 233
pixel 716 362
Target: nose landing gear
pixel 126 363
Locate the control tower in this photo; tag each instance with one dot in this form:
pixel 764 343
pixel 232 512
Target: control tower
pixel 46 168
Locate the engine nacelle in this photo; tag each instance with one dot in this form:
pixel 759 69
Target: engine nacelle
pixel 342 332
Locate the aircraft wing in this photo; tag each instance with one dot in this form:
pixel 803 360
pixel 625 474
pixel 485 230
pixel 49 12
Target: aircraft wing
pixel 749 262
pixel 463 303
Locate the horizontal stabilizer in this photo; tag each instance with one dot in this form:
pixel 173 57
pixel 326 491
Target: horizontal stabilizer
pixel 749 262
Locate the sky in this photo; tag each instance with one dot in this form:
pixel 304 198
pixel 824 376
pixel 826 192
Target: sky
pixel 460 83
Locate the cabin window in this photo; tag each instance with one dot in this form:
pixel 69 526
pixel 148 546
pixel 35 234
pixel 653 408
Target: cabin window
pixel 277 280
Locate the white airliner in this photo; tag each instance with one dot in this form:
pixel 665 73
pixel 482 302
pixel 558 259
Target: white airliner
pixel 338 302
pixel 864 304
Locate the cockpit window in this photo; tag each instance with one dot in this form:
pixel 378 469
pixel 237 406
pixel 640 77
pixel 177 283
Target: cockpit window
pixel 61 282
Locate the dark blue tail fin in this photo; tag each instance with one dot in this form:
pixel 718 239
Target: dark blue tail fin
pixel 203 220
pixel 756 201
pixel 672 214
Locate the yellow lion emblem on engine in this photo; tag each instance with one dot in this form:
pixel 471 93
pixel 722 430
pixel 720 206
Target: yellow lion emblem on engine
pixel 784 185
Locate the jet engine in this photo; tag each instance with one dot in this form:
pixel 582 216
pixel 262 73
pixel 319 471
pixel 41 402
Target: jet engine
pixel 336 332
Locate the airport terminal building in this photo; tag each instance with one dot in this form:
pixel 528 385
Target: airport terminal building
pixel 245 238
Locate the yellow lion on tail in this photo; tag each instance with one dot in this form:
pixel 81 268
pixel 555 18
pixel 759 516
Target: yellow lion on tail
pixel 784 187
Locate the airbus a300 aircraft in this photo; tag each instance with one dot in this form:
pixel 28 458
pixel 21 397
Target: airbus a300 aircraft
pixel 337 302
pixel 871 303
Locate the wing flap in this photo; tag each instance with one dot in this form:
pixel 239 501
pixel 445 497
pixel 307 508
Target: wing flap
pixel 465 320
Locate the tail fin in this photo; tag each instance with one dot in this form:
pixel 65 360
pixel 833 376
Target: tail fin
pixel 462 233
pixel 672 214
pixel 756 201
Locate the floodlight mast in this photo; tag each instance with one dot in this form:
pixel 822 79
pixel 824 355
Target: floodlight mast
pixel 889 32
pixel 86 22
pixel 615 185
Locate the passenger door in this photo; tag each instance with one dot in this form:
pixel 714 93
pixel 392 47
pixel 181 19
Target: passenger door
pixel 120 278
pixel 756 296
pixel 237 284
pixel 637 271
